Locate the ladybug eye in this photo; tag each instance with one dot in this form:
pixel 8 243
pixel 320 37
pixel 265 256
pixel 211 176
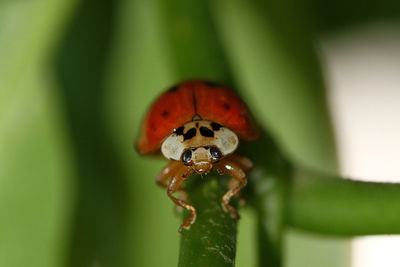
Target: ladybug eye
pixel 215 153
pixel 187 156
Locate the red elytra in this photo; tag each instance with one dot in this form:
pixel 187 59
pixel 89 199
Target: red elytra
pixel 178 105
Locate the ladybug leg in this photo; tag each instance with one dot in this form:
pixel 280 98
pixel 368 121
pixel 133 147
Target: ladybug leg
pixel 238 181
pixel 165 175
pixel 173 186
pixel 244 163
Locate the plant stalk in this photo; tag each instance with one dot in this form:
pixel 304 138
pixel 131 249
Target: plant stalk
pixel 331 205
pixel 211 240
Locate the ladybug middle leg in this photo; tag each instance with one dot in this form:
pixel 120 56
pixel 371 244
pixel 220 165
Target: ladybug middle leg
pixel 174 185
pixel 239 180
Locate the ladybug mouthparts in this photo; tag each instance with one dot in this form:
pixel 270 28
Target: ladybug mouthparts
pixel 202 167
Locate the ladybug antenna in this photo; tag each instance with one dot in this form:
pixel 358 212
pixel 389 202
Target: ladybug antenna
pixel 196 118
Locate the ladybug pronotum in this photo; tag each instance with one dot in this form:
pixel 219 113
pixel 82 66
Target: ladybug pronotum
pixel 197 126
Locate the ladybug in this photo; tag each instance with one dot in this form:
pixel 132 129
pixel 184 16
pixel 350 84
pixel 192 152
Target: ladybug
pixel 197 125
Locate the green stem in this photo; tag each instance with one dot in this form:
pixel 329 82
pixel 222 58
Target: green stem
pixel 331 205
pixel 267 193
pixel 197 53
pixel 211 240
pixel 270 222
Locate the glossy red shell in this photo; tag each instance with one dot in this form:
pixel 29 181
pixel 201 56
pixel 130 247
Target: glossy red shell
pixel 181 103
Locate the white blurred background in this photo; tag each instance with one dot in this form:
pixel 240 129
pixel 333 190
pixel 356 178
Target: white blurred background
pixel 362 67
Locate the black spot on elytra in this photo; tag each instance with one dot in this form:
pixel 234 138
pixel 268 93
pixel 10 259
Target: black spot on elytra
pixel 179 131
pixel 189 134
pixel 174 88
pixel 212 84
pixel 165 114
pixel 226 106
pixel 197 125
pixel 153 127
pixel 215 126
pixel 204 131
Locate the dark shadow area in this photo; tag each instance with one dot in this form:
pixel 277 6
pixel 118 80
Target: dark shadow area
pixel 337 15
pixel 98 237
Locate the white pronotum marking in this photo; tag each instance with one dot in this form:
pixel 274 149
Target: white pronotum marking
pixel 224 139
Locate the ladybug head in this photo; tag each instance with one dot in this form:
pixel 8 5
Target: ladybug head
pixel 201 158
pixel 199 144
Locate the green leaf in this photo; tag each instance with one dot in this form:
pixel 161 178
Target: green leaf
pixel 36 166
pixel 98 234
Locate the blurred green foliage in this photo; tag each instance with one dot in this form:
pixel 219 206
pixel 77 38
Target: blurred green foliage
pixel 75 80
pixel 37 186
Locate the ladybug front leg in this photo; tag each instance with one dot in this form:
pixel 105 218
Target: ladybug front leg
pixel 174 185
pixel 238 181
pixel 245 164
pixel 167 173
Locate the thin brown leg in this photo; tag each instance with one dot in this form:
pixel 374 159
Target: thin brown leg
pixel 173 186
pixel 167 173
pixel 244 163
pixel 238 181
